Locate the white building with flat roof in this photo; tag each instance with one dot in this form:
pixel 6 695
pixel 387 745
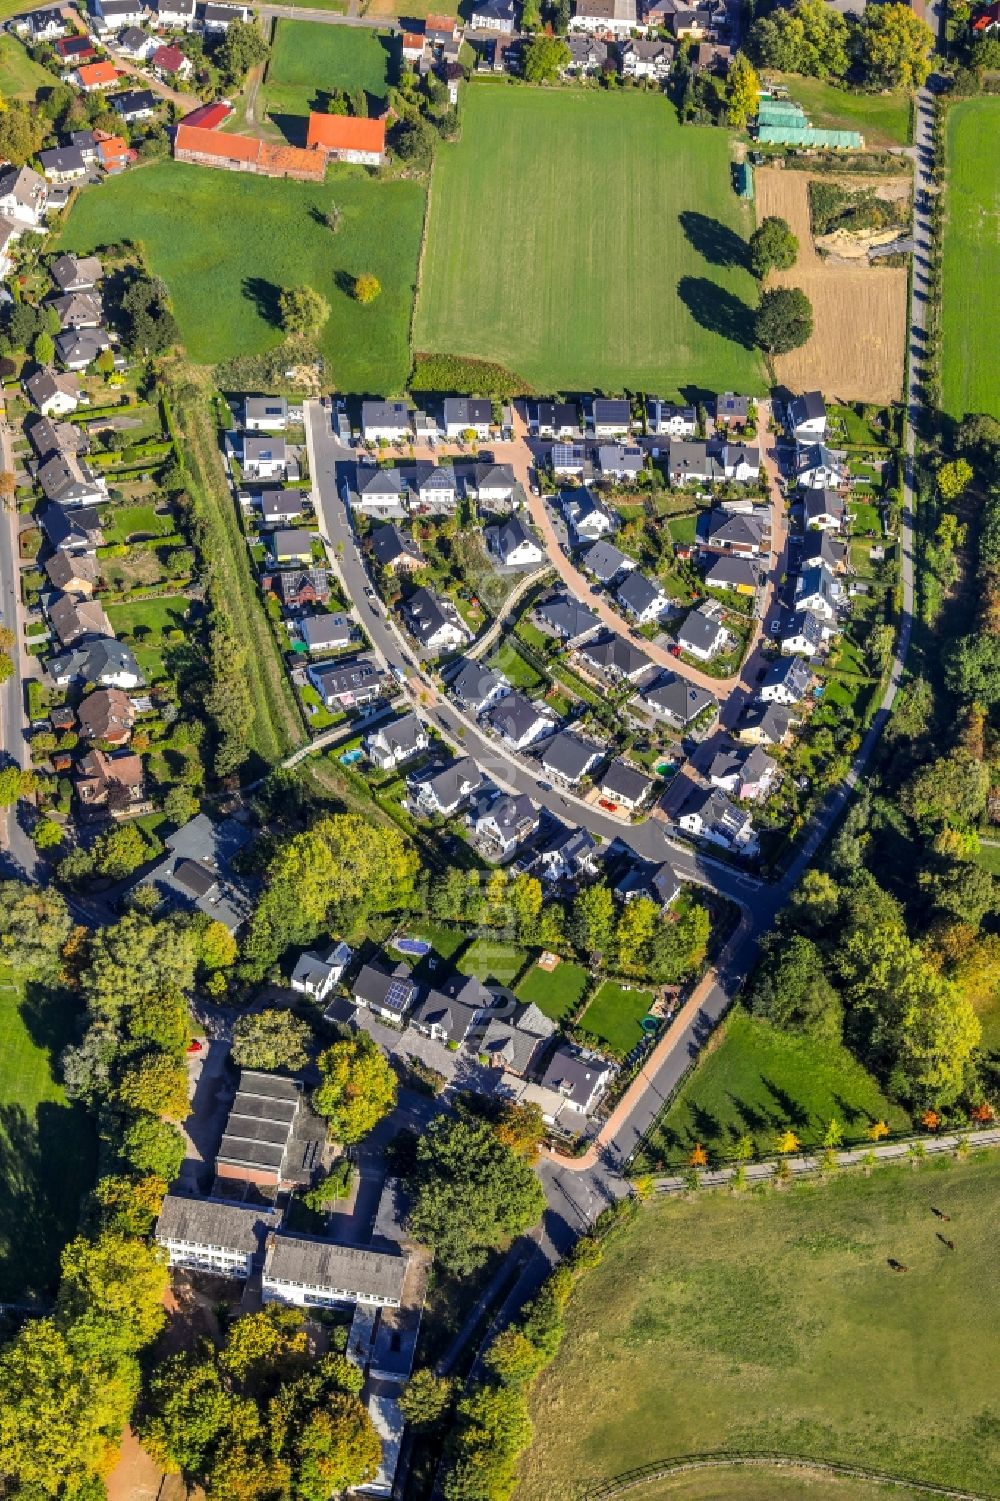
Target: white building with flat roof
pixel 214 1235
pixel 317 1274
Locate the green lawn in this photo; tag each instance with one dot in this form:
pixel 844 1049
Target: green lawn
pixel 865 517
pixel 490 960
pixel 149 617
pixel 136 522
pixel 758 1081
pixel 309 60
pixel 518 671
pixel 970 374
pixel 585 239
pixel 683 529
pixel 20 78
pixel 773 1322
pixel 883 119
pixel 614 1015
pixel 555 992
pixel 226 243
pixel 47 1146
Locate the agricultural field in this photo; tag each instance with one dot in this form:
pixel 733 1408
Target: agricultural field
pixel 774 1322
pixel 224 284
pixel 883 119
pixel 309 60
pixel 570 294
pixel 795 1483
pixel 857 348
pixel 970 377
pixel 47 1146
pixel 756 1080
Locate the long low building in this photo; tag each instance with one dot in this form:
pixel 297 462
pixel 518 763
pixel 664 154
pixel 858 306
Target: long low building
pixel 316 1273
pixel 235 153
pixel 214 1235
pixel 255 1143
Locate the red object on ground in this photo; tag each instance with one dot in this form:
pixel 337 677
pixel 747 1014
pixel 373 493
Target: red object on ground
pixel 611 807
pixel 675 650
pixel 194 1046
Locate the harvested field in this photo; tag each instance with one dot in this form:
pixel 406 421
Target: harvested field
pixel 856 352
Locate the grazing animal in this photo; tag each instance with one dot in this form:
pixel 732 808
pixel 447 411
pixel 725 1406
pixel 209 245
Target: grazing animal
pixel 897 1266
pixel 946 1242
pixel 940 1214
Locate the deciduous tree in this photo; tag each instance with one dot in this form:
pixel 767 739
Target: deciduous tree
pixel 426 1398
pixel 367 288
pixel 742 91
pixel 894 47
pixel 271 1039
pixel 783 321
pixel 773 246
pixel 303 310
pixel 358 1087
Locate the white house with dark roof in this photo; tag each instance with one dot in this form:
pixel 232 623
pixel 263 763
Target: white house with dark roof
pixel 433 488
pixel 316 974
pixel 493 486
pixel 569 854
pixel 478 687
pixel 764 724
pixel 693 461
pixel 679 702
pixel 739 532
pixel 805 634
pixel 787 682
pixel 503 821
pixel 265 414
pixel 434 622
pixel 568 460
pixel 568 757
pixel 79 347
pixel 731 408
pixel 394 549
pixel 567 618
pixel 385 421
pixel 806 417
pixel 321 1274
pixel 740 464
pixel 659 883
pixel 465 414
pixel 24 197
pixel 380 493
pixel 493 15
pixel 513 545
pixel 587 519
pixel 745 772
pixel 450 1012
pixel 397 742
pixel 709 815
pixel 278 505
pixel 329 632
pixel 386 991
pixel 819 591
pixel 606 562
pixel 580 1076
pixel 347 685
pixel 553 419
pixel 613 657
pixel 667 419
pixel 602 16
pixel 447 791
pixel 519 722
pixel 823 511
pixel 610 418
pixel 702 635
pixel 218 18
pixel 621 463
pixel 220 1236
pixel 622 785
pixel 819 468
pixel 739 574
pixel 641 599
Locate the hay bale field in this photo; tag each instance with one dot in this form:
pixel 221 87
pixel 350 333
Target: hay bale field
pixel 857 349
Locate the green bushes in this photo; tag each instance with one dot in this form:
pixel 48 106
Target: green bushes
pixel 453 372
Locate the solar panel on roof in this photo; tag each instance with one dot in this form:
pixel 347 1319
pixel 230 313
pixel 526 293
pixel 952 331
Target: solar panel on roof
pixel 397 995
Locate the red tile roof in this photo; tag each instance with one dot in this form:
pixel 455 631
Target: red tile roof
pixel 168 58
pixel 209 116
pixel 96 75
pixel 345 133
pixel 413 41
pixel 214 143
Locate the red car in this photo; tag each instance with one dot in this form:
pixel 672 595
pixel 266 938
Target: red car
pixel 675 650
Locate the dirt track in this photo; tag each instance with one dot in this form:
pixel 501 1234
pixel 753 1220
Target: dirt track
pixel 856 351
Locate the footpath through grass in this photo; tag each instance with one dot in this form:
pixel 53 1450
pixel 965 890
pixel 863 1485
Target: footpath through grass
pixel 47 1145
pixel 970 373
pixel 585 239
pixel 226 243
pixel 773 1321
pixel 756 1080
pixel 883 119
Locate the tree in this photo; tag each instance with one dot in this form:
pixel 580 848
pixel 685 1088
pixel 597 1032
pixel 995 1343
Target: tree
pixel 150 327
pixel 302 310
pixel 773 247
pixel 136 959
pixel 810 38
pixel 425 1399
pixel 111 1294
pixel 153 1146
pixel 783 320
pixel 215 946
pixel 47 834
pixel 522 1128
pixel 877 1130
pixel 513 1359
pixel 636 927
pixel 242 47
pixel 190 1410
pixel 270 1040
pixel 180 805
pixel 34 925
pixel 335 1450
pixel 367 288
pixel 953 478
pixel 951 788
pixel 129 1206
pixel 358 1087
pixel 792 991
pixel 333 218
pixel 228 702
pixel 698 1157
pixel 120 851
pixel 414 142
pixel 6 664
pixel 544 58
pixel 973 671
pixel 470 1192
pixel 742 91
pixel 44 349
pixel 894 47
pixel 787 1141
pixel 21 134
pixel 833 1136
pixel 592 917
pixel 158 1083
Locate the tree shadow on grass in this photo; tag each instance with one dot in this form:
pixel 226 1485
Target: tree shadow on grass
pixel 717 310
pixel 344 282
pixel 264 296
pixel 752 1118
pixel 715 241
pixel 791 1110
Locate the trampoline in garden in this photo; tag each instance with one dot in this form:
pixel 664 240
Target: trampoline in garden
pixel 418 947
pixel 650 1024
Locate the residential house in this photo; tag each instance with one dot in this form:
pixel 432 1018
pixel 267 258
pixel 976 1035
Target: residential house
pixel 620 463
pixel 262 456
pixel 494 486
pixel 691 23
pixel 568 757
pixel 606 562
pixel 222 1237
pixel 823 511
pixel 464 414
pixel 114 782
pixel 394 550
pixel 93 78
pixel 381 493
pixel 100 660
pixel 580 1076
pixel 659 883
pixel 265 414
pixel 570 854
pixel 431 490
pixel 78 309
pixel 112 15
pixel 175 14
pixel 567 618
pixel 568 460
pixel 219 18
pixel 425 427
pixel 106 714
pixel 73 575
pixel 443 794
pixel 691 461
pixel 48 437
pixel 289 546
pixel 734 531
pixel 63 164
pixel 169 62
pixel 196 871
pixel 819 547
pixel 78 348
pixel 393 744
pixel 413 46
pixel 702 635
pixel 278 506
pixel 610 418
pixel 296 587
pixel 448 1014
pixel 519 722
pixel 709 815
pixel 72 618
pixel 667 419
pixel 764 724
pixel 316 974
pixel 554 419
pixel 478 687
pixel 740 464
pixel 741 575
pixel 514 1042
pixel 347 685
pixel 641 599
pixel 493 15
pixel 327 632
pixel 819 468
pixel 646 59
pixel 819 591
pixel 440 29
pixel 805 634
pixel 135 43
pixel 75 50
pixel 385 421
pixel 502 822
pixel 806 417
pixel 513 545
pixel 321 1274
pixel 679 702
pixel 434 622
pixel 24 196
pixel 386 992
pixel 42 25
pixel 72 531
pixel 75 273
pixel 623 786
pixel 615 658
pixel 604 17
pixel 710 57
pixel 787 682
pixel 347 138
pixel 746 773
pixel 588 520
pixel 730 410
pixel 54 394
pixel 84 141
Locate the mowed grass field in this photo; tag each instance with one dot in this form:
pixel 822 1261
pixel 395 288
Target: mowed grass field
pixel 309 60
pixel 883 119
pixel 226 243
pixel 585 240
pixel 773 1321
pixel 20 78
pixel 47 1145
pixel 970 374
pixel 741 1483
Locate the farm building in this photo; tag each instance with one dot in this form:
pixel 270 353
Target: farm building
pixel 348 139
pixel 810 135
pixel 233 153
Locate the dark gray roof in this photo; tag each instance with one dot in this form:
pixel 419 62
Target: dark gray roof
pixel 380 481
pixel 494 477
pixel 620 779
pixel 611 411
pixel 604 560
pixel 772 720
pixel 74 345
pixel 791 673
pixel 509 535
pixel 273 407
pixel 820 547
pixel 92 659
pixel 556 414
pixel 734 528
pixel 279 504
pixel 260 1122
pixel 385 414
pixel 380 986
pixel 567 616
pixel 453 1015
pixel 732 570
pixel 470 410
pixel 345 677
pixel 133 102
pixel 514 715
pixel 678 698
pixel 807 407
pixel 637 593
pixel 694 458
pixel 424 614
pixel 216 1222
pixel 612 653
pixel 699 630
pixel 326 630
pixel 62 159
pixel 727 405
pixel 474 682
pixel 817 503
pixel 455 782
pixel 574 1073
pixel 336 1268
pixel 389 544
pixel 569 755
pixel 804 623
pixel 510 811
pixel 401 735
